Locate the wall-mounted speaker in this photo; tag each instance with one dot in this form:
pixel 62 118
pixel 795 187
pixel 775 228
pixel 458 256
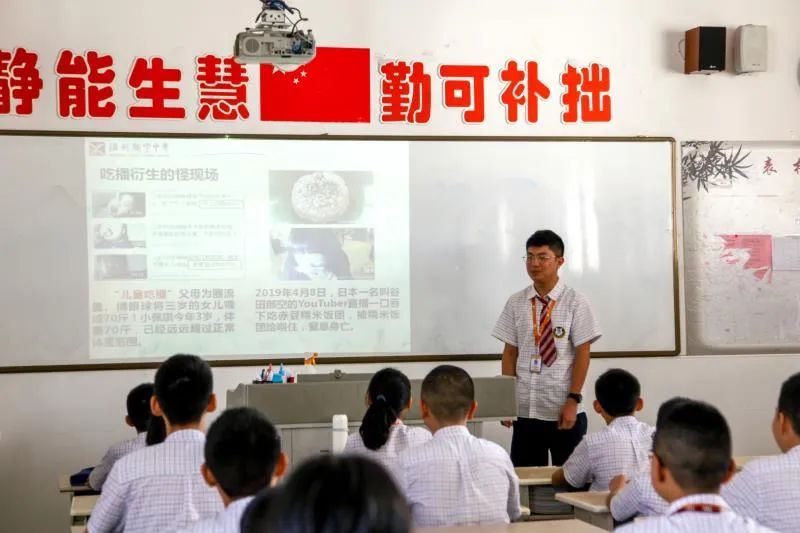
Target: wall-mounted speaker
pixel 705 50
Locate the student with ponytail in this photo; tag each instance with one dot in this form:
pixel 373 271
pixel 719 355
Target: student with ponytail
pixel 382 435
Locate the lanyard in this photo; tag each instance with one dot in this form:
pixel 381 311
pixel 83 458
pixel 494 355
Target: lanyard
pixel 548 310
pixel 700 508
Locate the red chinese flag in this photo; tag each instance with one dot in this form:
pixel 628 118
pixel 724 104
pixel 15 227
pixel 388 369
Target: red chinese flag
pixel 332 87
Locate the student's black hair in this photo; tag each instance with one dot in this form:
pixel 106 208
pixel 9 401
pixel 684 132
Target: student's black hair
pixel 789 401
pixel 138 406
pixel 254 517
pixel 545 237
pixel 665 408
pixel 338 494
pixel 617 390
pixel 183 388
pixel 242 448
pixel 448 391
pixel 694 443
pixel 156 431
pixel 389 392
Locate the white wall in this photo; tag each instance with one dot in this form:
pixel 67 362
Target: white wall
pixel 56 423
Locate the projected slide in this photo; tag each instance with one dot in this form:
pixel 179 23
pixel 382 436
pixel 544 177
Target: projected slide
pixel 239 247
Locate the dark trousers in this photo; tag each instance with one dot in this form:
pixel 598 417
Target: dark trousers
pixel 533 439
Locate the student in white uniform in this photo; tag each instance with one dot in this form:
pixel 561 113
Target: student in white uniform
pixel 243 456
pixel 622 447
pixel 382 435
pixel 691 460
pixel 160 487
pixel 768 490
pixel 628 499
pixel 456 478
pixel 331 493
pixel 138 417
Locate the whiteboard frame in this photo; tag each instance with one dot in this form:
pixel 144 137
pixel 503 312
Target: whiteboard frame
pixel 348 360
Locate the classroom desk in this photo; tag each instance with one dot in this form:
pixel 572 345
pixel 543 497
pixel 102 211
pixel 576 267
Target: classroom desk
pixel 81 508
pixel 552 526
pixel 535 475
pixel 532 476
pixel 590 507
pixel 77 529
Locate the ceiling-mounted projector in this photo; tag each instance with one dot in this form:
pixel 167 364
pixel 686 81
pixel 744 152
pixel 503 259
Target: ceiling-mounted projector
pixel 275 39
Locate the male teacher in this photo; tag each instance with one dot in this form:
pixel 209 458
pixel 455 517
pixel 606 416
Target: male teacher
pixel 548 329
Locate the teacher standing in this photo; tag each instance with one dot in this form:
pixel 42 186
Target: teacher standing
pixel 548 329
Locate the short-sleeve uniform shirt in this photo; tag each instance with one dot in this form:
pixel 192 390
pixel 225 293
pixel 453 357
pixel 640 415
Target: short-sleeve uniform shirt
pixel 541 395
pixel 401 438
pixel 768 491
pixel 622 447
pixel 637 498
pixel 157 488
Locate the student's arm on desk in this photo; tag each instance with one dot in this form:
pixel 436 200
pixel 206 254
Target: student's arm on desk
pixel 508 367
pixel 624 498
pixel 577 471
pixel 558 480
pixel 98 476
pixel 616 484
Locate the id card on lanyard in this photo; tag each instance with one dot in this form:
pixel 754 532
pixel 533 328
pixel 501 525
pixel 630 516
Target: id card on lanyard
pixel 536 360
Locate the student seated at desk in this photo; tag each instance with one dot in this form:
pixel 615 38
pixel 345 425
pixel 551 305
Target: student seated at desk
pixel 332 494
pixel 768 489
pixel 622 447
pixel 160 487
pixel 243 456
pixel 382 435
pixel 456 478
pixel 637 497
pixel 691 460
pixel 138 417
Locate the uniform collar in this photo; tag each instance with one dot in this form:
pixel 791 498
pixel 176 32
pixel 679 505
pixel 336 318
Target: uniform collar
pixel 237 506
pixel 186 435
pixel 794 452
pixel 554 294
pixel 707 499
pixel 451 432
pixel 624 421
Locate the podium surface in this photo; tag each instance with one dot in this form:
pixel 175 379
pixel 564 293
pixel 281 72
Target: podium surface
pixel 302 411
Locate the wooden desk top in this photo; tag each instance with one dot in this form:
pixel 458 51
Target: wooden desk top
pixel 547 526
pixel 82 505
pixel 594 502
pixel 535 475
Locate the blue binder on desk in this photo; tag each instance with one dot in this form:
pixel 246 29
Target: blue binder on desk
pixel 81 478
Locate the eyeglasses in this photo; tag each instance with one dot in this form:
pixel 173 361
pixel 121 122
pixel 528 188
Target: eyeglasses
pixel 538 258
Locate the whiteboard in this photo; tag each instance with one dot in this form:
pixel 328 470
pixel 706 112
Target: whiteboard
pixel 450 219
pixel 741 210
